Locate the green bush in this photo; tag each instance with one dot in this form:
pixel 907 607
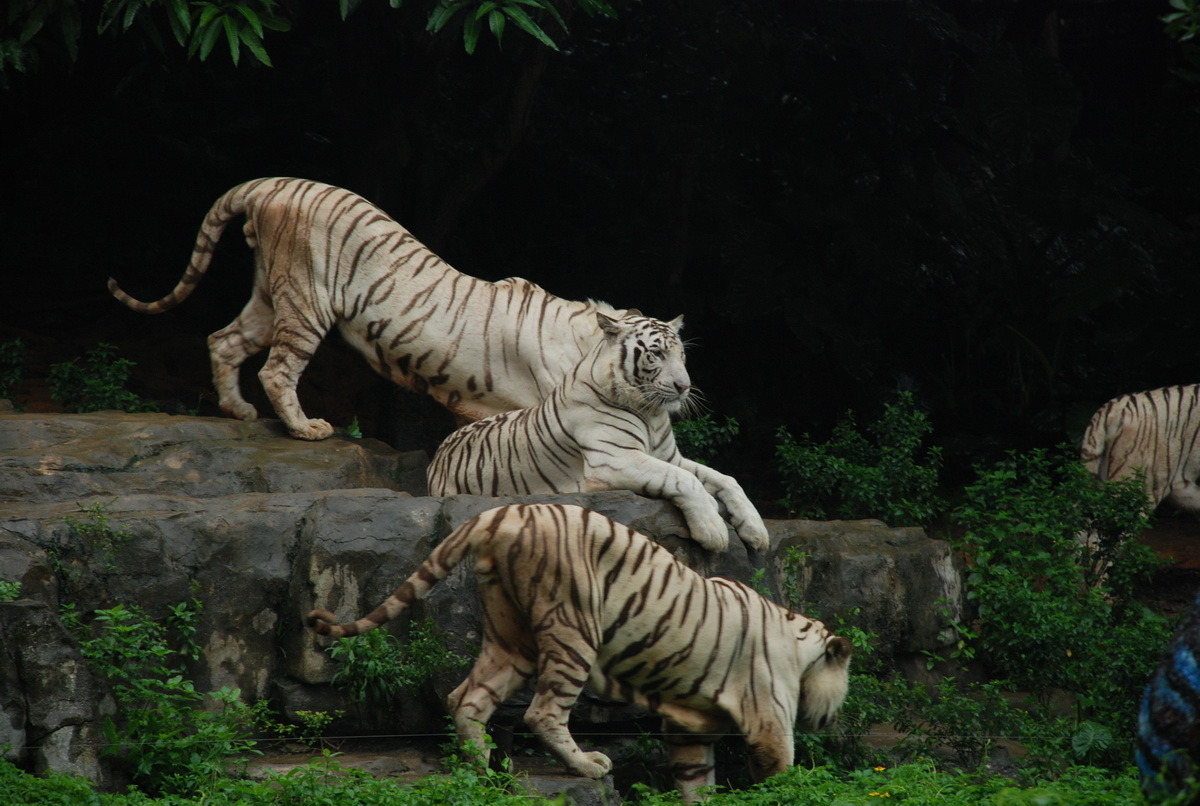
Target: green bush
pixel 881 475
pixel 13 358
pixel 374 666
pixel 96 382
pixel 1055 611
pixel 702 438
pixel 175 739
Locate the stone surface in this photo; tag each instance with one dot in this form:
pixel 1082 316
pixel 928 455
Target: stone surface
pixel 153 510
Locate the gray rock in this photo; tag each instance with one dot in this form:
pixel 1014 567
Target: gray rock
pixel 153 510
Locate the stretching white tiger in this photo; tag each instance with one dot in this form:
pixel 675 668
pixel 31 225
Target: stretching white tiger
pixel 606 426
pixel 325 257
pixel 1158 431
pixel 575 599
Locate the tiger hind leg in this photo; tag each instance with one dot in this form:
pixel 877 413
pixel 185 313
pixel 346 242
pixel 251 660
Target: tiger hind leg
pixel 506 662
pixel 497 675
pixel 560 682
pixel 228 348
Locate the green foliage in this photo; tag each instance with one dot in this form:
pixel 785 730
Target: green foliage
pixel 375 666
pixel 881 475
pixel 176 739
pixel 323 782
pixel 967 719
pixel 1184 21
pixel 203 26
pixel 9 591
pixel 1055 610
pixel 95 382
pixel 702 438
pixel 13 354
pixel 310 729
pixel 94 536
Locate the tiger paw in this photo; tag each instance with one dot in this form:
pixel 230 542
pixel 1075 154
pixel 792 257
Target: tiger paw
pixel 709 530
pixel 240 411
pixel 754 535
pixel 312 430
pixel 592 765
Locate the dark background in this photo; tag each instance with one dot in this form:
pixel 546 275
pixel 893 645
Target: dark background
pixel 993 205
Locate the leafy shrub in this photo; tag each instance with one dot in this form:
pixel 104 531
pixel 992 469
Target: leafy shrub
pixel 1047 619
pixel 172 743
pixel 701 438
pixel 375 666
pixel 96 384
pixel 882 475
pixel 13 358
pixel 9 591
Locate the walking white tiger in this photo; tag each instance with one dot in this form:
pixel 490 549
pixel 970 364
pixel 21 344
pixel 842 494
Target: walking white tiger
pixel 326 257
pixel 606 426
pixel 1158 431
pixel 574 598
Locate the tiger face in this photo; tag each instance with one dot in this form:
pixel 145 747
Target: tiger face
pixel 824 685
pixel 651 371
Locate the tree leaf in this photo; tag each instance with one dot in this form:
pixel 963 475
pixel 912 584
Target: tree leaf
pixel 255 45
pixel 440 16
pixel 471 28
pixel 496 23
pixel 252 18
pixel 231 35
pixel 526 24
pixel 208 38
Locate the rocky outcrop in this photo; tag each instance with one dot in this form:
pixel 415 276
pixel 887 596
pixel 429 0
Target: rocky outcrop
pixel 152 510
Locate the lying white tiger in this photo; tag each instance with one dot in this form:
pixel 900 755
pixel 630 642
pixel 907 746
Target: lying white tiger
pixel 325 257
pixel 606 426
pixel 1158 431
pixel 574 598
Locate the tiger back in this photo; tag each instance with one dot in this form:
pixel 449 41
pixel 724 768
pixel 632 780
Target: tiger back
pixel 1157 431
pixel 606 426
pixel 610 608
pixel 326 257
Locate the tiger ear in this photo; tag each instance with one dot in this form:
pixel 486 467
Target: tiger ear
pixel 631 312
pixel 838 650
pixel 609 326
pixel 676 324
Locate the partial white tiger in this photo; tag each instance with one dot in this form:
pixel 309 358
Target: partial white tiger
pixel 324 258
pixel 606 426
pixel 1158 431
pixel 573 598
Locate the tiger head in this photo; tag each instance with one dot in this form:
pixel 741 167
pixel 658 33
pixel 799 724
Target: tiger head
pixel 649 372
pixel 824 683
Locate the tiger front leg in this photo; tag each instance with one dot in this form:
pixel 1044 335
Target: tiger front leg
pixel 655 478
pixel 742 514
pixel 279 377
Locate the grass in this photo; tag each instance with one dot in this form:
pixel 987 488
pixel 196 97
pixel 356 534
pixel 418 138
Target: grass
pixel 325 783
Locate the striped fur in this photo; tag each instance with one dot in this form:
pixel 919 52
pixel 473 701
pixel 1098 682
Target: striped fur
pixel 573 598
pixel 325 257
pixel 1157 431
pixel 606 426
pixel 1168 740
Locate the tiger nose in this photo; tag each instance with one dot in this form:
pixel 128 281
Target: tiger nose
pixel 682 386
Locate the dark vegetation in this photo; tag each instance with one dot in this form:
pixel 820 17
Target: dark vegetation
pixel 986 213
pixel 992 205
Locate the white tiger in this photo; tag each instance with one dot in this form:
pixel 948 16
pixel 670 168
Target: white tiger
pixel 1156 430
pixel 606 426
pixel 326 257
pixel 573 598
